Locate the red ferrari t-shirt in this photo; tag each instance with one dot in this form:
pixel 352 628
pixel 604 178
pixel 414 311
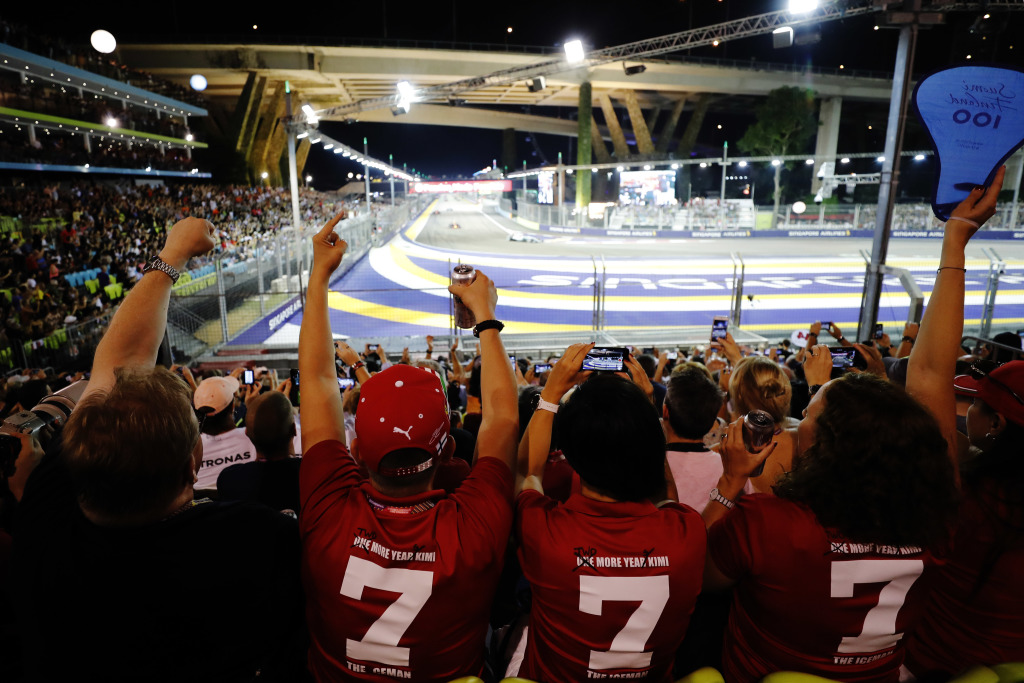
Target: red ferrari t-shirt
pixel 809 600
pixel 970 618
pixel 613 584
pixel 398 588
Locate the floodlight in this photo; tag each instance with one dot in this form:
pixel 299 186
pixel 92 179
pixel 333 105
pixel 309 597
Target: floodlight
pixel 574 51
pixel 742 164
pixel 880 159
pixel 799 207
pixel 782 37
pixel 148 169
pixel 339 150
pixel 675 167
pixel 188 137
pixel 406 91
pixel 112 122
pixel 776 162
pixel 309 179
pixel 703 165
pixel 310 114
pixel 809 162
pixel 918 157
pixel 316 140
pixel 331 146
pixel 264 175
pixel 803 5
pixel 844 160
pixel 303 134
pixel 198 82
pixel 103 41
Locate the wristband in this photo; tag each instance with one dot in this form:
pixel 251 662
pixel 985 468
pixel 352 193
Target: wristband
pixel 358 364
pixel 908 339
pixel 546 405
pixel 841 339
pixel 965 220
pixel 487 325
pixel 942 268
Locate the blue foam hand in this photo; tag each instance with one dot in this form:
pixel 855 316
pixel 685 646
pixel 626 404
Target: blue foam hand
pixel 975 118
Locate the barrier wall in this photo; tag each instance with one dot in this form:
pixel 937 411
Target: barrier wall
pixel 802 233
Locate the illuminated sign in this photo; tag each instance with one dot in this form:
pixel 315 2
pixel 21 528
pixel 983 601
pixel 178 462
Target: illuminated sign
pixel 484 186
pixel 652 188
pixel 546 187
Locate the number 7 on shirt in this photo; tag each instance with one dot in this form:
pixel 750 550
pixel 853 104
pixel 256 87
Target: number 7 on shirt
pixel 627 648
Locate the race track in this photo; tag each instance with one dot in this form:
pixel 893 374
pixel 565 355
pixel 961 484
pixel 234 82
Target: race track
pixel 399 289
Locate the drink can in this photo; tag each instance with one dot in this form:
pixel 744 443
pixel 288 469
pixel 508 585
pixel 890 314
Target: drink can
pixel 463 274
pixel 758 430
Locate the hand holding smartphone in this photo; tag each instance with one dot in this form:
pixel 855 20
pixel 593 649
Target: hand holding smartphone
pixel 719 327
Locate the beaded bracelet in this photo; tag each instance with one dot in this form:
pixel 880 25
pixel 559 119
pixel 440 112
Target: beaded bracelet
pixel 942 268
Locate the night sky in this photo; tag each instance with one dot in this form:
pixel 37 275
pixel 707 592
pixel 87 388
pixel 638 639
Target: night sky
pixel 442 151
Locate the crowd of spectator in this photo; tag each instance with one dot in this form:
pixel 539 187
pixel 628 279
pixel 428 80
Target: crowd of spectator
pixel 58 100
pixel 67 148
pixel 84 57
pixel 464 515
pixel 66 228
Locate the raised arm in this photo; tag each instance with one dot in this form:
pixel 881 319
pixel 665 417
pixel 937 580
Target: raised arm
pixel 933 359
pixel 536 443
pixel 137 328
pixel 321 412
pixel 499 422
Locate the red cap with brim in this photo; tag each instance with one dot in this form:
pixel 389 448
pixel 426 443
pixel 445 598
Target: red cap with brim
pixel 402 407
pixel 1009 377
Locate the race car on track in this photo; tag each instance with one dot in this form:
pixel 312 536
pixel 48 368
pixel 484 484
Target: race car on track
pixel 522 237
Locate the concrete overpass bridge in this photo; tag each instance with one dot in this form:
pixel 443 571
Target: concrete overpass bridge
pixel 246 86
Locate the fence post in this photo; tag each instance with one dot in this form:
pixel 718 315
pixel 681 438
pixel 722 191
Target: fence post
pixel 996 267
pixel 259 279
pixel 223 300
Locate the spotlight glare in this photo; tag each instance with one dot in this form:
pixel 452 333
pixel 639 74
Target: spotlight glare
pixel 198 82
pixel 103 41
pixel 574 51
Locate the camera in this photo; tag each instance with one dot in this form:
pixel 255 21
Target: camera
pixel 44 420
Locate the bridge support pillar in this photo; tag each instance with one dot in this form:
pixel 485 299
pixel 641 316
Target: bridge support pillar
pixel 665 137
pixel 827 145
pixel 583 154
pixel 612 121
pixel 259 158
pixel 642 134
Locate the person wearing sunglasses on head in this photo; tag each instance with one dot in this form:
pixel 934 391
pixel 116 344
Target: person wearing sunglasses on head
pixel 976 614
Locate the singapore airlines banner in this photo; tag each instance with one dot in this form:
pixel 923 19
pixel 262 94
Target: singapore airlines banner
pixel 975 119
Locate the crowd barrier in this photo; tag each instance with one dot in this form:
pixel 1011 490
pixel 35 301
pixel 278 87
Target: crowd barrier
pixel 758 234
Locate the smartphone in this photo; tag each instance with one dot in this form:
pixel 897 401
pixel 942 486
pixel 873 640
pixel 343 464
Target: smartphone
pixel 605 359
pixel 512 360
pixel 248 377
pixel 345 383
pixel 293 393
pixel 842 356
pixel 879 331
pixel 672 355
pixel 541 367
pixel 374 347
pixel 649 350
pixel 827 326
pixel 719 327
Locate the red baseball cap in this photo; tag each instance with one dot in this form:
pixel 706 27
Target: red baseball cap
pixel 402 407
pixel 997 389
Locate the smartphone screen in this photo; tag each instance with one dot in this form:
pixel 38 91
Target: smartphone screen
pixel 293 394
pixel 672 355
pixel 541 367
pixel 512 360
pixel 374 347
pixel 842 356
pixel 719 327
pixel 345 383
pixel 605 359
pixel 247 377
pixel 879 331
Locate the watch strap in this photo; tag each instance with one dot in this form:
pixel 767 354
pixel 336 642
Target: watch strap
pixel 488 325
pixel 157 263
pixel 717 496
pixel 546 405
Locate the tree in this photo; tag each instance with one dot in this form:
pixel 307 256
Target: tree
pixel 786 122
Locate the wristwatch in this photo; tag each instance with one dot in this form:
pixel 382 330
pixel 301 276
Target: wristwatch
pixel 546 405
pixel 718 497
pixel 487 325
pixel 157 263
